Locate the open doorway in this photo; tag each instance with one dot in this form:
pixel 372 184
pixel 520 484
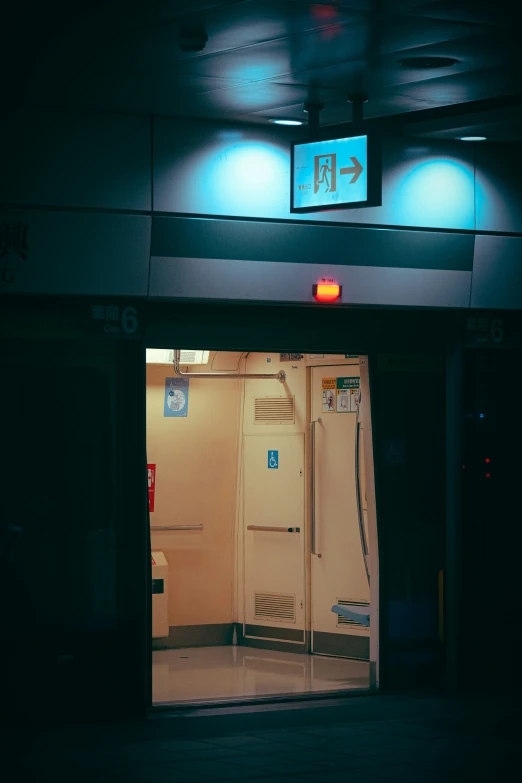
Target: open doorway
pixel 263 525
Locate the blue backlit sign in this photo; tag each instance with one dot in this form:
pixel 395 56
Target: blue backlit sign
pixel 334 174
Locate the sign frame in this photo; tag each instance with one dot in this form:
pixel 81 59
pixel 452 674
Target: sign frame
pixel 373 174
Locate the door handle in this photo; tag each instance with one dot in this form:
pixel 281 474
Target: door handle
pixel 176 527
pixel 312 486
pixel 273 529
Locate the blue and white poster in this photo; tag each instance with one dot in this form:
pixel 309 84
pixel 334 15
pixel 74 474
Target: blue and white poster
pixel 176 397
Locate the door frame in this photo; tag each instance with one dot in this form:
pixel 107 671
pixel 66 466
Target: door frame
pixel 367 456
pixel 372 330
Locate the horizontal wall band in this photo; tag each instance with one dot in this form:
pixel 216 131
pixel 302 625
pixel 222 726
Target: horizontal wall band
pixel 341 645
pixel 196 636
pixel 211 278
pixel 310 244
pixel 241 219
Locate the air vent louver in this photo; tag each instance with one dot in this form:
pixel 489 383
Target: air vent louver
pixel 274 410
pixel 279 607
pixel 356 604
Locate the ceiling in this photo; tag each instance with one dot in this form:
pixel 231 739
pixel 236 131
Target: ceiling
pixel 267 58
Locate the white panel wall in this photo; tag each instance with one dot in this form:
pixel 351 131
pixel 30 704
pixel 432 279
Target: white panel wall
pixel 210 278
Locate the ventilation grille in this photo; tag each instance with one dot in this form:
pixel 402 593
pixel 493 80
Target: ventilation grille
pixel 279 607
pixel 189 356
pixel 274 410
pixel 344 620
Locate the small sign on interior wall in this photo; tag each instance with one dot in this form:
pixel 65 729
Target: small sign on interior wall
pixel 348 392
pixel 151 481
pixel 176 397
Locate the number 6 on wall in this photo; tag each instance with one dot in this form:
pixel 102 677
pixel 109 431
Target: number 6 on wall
pixel 129 320
pixel 497 330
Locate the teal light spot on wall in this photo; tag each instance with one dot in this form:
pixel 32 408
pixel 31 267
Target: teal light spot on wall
pixel 435 193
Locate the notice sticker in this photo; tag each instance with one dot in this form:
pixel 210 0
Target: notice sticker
pixel 348 392
pixel 328 385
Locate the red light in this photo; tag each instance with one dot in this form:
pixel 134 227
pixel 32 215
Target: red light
pixel 487 459
pixel 488 475
pixel 327 292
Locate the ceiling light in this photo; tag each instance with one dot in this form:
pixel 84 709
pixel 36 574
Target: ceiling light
pixel 287 122
pixel 427 62
pixel 472 138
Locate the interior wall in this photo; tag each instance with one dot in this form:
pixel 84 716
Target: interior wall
pixel 196 483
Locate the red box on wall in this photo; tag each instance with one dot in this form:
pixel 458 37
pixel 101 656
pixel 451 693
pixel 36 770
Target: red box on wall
pixel 151 472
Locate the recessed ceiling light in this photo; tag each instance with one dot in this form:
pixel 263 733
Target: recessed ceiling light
pixel 287 122
pixel 472 138
pixel 427 62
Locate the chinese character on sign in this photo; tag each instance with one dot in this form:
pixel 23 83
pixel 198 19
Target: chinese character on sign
pixel 482 329
pixel 471 324
pixel 113 313
pixel 13 239
pixel 98 313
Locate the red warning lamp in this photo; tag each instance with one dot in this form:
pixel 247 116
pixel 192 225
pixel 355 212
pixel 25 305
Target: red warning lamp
pixel 327 291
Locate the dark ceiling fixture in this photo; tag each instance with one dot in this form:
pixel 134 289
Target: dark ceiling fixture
pixel 428 62
pixel 192 40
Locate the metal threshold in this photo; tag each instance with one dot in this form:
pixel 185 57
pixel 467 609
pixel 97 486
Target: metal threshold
pixel 252 703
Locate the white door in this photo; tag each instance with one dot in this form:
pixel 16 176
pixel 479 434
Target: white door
pixel 338 572
pixel 274 555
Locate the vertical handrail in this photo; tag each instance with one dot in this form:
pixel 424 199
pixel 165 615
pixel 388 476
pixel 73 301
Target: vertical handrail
pixel 362 532
pixel 312 485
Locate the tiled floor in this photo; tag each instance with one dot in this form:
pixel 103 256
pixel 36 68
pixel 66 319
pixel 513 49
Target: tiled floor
pixel 206 673
pixel 403 740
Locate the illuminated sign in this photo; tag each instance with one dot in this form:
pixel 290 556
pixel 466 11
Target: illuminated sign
pixel 335 174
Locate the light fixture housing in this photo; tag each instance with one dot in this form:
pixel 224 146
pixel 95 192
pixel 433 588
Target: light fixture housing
pixel 286 122
pixel 165 356
pixel 428 62
pixel 327 291
pixel 472 138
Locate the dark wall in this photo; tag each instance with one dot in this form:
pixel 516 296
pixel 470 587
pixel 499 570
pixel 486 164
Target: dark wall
pixel 408 410
pixel 491 596
pixel 72 592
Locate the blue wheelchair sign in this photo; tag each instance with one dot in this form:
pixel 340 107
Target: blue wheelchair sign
pixel 273 460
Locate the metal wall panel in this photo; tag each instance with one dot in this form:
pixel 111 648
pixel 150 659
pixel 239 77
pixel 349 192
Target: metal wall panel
pixel 287 242
pixel 497 273
pixel 76 159
pixel 210 278
pixel 498 195
pixel 75 253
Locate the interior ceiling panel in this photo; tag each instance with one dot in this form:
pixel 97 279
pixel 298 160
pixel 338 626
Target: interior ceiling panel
pixel 262 57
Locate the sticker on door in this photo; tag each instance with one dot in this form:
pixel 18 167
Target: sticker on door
pixel 347 394
pixel 273 460
pixel 328 385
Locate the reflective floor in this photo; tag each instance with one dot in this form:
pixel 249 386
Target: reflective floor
pixel 206 673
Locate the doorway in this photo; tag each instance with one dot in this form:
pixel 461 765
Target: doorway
pixel 340 565
pixel 259 525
